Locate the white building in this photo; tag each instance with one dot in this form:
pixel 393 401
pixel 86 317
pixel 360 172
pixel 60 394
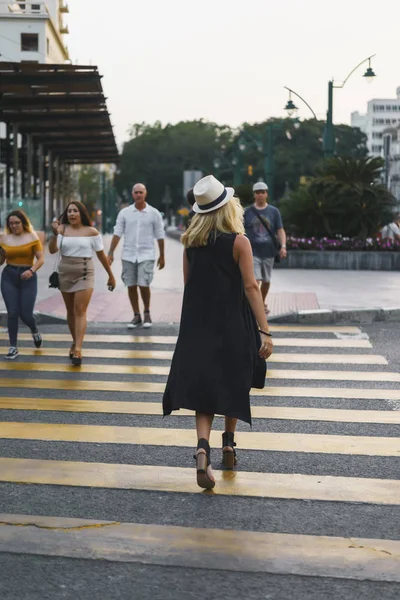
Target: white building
pixel 391 153
pixel 381 114
pixel 33 31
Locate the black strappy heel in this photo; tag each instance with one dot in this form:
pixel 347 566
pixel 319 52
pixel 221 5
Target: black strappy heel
pixel 229 458
pixel 202 462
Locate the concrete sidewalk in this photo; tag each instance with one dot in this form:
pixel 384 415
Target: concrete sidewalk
pixel 291 291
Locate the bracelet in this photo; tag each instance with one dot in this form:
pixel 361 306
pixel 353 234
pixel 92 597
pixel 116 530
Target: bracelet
pixel 265 333
pixel 31 270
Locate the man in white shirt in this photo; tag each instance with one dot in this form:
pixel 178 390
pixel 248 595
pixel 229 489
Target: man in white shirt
pixel 140 224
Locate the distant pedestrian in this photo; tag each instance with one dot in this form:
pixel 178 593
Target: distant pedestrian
pixel 76 240
pixel 220 353
pixel 263 224
pixel 140 224
pixel 392 231
pixel 21 246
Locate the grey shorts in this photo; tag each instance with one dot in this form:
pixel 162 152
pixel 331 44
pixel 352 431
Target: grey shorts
pixel 263 268
pixel 140 274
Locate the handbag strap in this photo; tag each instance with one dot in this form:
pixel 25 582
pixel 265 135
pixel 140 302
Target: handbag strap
pixel 265 223
pixel 58 257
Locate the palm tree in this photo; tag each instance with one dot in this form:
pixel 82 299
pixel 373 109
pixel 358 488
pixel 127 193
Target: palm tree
pixel 346 198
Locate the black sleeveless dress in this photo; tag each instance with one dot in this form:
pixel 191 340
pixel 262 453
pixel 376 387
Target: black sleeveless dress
pixel 216 359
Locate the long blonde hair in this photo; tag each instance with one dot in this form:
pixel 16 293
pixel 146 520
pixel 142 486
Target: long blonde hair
pixel 227 219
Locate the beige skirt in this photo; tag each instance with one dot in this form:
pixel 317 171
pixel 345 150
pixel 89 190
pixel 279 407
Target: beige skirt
pixel 76 274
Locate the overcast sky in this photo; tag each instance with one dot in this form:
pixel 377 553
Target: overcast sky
pixel 228 60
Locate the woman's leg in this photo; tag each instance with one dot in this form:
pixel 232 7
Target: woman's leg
pixel 10 294
pixel 68 298
pixel 27 299
pixel 81 302
pixel 203 427
pixel 230 427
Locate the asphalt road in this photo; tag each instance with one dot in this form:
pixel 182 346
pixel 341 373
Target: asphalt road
pixel 24 575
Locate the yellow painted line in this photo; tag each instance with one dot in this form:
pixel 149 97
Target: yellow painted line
pixel 316 328
pixel 66 367
pixel 154 408
pixel 289 357
pixel 211 549
pixel 173 479
pixel 113 369
pixel 276 442
pixel 156 388
pixel 371 376
pixel 131 339
pixel 104 353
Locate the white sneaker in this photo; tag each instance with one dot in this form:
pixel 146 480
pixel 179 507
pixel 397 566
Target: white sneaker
pixel 136 321
pixel 12 353
pixel 147 322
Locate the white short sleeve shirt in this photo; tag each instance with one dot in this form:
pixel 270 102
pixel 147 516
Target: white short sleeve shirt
pixel 140 229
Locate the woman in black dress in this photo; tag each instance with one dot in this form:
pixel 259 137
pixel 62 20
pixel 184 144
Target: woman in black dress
pixel 221 351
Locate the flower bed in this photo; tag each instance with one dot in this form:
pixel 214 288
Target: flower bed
pixel 343 244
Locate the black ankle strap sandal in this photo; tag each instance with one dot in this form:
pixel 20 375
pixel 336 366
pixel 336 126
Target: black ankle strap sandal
pixel 229 458
pixel 203 460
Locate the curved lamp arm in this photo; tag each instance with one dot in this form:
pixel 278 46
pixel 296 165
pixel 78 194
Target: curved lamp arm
pixel 355 69
pixel 302 99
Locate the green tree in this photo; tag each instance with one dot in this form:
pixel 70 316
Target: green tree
pixel 89 187
pixel 347 198
pixel 157 155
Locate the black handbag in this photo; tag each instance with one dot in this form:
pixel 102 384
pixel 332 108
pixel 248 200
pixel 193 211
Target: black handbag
pixel 272 235
pixel 54 279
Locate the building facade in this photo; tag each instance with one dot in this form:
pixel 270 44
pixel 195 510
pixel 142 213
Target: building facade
pixel 391 154
pixel 381 114
pixel 33 32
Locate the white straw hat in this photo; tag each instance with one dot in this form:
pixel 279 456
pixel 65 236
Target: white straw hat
pixel 210 194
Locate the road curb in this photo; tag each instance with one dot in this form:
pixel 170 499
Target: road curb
pixel 351 315
pixel 41 318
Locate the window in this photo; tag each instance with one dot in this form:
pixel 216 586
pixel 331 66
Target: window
pixel 29 42
pixel 387 121
pixel 376 135
pixel 395 107
pixel 36 7
pixel 388 107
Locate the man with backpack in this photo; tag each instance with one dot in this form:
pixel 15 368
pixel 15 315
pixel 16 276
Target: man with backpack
pixel 263 224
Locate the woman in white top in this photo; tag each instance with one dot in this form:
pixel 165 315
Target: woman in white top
pixel 76 240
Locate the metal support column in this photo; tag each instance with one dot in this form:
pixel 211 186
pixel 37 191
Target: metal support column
pixel 56 201
pixel 15 160
pixel 29 166
pixel 42 186
pixel 329 136
pixel 50 195
pixel 8 161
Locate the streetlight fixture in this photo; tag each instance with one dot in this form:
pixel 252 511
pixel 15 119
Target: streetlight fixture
pixel 369 73
pixel 291 108
pixel 329 138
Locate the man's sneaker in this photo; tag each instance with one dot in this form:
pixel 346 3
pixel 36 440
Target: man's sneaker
pixel 147 322
pixel 136 321
pixel 12 353
pixel 37 339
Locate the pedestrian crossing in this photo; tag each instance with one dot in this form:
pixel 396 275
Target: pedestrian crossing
pixel 100 427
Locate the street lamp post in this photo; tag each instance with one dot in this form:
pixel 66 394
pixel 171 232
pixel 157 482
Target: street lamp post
pixel 329 137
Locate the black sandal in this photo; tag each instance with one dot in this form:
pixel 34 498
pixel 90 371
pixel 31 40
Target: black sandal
pixel 202 462
pixel 229 458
